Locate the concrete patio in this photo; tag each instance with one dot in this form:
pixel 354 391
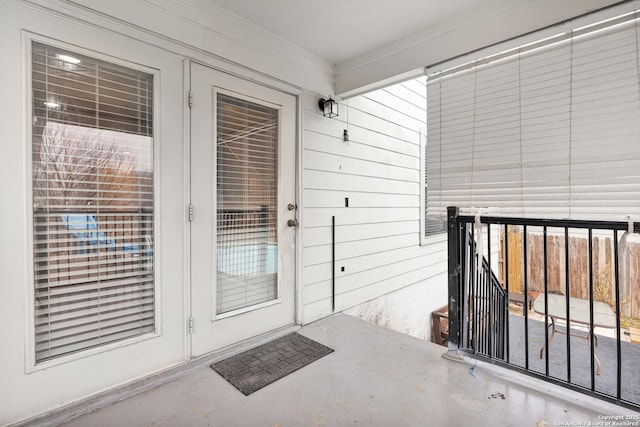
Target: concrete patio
pixel 605 350
pixel 375 377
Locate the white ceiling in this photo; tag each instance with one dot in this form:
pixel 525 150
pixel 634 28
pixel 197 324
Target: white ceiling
pixel 339 30
pixel 368 41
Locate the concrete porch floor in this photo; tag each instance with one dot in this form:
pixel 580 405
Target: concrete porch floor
pixel 375 377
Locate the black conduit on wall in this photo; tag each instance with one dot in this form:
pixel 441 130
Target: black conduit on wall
pixel 333 264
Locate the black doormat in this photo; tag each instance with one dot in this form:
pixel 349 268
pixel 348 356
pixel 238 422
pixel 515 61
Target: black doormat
pixel 260 366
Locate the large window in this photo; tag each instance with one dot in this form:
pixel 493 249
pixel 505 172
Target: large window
pixel 92 163
pixel 549 129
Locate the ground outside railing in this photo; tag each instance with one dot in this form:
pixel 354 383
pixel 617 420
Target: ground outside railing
pixel 556 299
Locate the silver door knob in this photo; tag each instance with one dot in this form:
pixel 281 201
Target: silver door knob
pixel 292 222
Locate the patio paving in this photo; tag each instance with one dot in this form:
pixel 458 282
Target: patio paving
pixel 375 377
pixel 606 350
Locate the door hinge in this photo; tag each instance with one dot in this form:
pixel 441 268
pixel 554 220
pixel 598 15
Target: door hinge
pixel 190 325
pixel 190 99
pixel 190 213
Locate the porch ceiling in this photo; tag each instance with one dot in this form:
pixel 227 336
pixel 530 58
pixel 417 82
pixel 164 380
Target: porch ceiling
pixel 372 40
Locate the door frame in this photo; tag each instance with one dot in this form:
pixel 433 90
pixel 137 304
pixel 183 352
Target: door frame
pixel 261 79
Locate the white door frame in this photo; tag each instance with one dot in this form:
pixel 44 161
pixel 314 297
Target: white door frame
pixel 269 84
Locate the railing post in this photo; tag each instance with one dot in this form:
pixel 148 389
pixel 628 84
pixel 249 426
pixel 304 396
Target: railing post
pixel 454 280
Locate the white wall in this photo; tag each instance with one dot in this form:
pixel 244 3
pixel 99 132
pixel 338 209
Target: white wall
pixel 25 389
pixel 202 30
pixel 407 310
pixel 161 38
pixel 378 235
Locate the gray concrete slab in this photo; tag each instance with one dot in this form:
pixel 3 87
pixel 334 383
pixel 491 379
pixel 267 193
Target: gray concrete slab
pixel 375 377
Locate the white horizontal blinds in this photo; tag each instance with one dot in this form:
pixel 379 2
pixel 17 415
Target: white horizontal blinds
pixel 605 123
pixel 557 119
pixel 432 225
pixel 92 155
pixel 474 134
pixel 247 165
pixel 433 152
pixel 545 76
pixel 450 124
pixel 495 173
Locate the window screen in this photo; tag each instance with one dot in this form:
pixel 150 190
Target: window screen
pixel 92 157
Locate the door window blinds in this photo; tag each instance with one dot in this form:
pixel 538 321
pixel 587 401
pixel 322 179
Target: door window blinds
pixel 548 130
pixel 247 197
pixel 92 157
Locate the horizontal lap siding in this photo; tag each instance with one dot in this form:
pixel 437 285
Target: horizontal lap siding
pixel 378 170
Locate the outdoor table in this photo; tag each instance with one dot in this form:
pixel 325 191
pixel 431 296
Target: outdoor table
pixel 603 317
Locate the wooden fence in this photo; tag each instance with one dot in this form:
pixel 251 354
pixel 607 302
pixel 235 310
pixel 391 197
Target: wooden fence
pixel 603 268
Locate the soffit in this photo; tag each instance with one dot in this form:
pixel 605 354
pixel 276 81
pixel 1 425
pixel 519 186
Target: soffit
pixel 368 41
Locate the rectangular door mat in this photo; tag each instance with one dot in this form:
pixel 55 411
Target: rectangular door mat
pixel 260 366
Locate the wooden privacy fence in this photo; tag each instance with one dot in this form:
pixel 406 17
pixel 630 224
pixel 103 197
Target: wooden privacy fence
pixel 603 267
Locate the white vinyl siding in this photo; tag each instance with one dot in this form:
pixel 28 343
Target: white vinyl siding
pixel 378 170
pixel 548 130
pixel 92 202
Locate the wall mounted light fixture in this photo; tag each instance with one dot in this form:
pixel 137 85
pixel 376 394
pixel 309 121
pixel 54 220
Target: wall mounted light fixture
pixel 329 107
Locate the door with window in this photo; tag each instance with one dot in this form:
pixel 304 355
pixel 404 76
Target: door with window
pixel 244 209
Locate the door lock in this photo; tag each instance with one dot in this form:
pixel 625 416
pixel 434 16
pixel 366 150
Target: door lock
pixel 292 222
pixel 291 206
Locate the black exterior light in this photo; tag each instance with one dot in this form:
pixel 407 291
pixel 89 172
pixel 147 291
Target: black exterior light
pixel 329 107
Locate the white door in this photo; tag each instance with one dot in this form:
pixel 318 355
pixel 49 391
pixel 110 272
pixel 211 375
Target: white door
pixel 243 196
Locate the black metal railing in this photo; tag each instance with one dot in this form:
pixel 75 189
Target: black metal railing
pixel 485 302
pixel 570 279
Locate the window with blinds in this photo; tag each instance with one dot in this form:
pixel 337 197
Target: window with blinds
pixel 549 129
pixel 432 224
pixel 92 156
pixel 247 197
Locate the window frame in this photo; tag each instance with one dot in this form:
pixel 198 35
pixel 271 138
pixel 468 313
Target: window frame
pixel 219 94
pixel 28 38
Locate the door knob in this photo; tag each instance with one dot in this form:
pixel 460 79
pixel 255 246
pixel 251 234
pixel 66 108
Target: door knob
pixel 292 222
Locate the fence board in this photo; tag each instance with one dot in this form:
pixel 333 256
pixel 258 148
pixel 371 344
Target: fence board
pixel 578 277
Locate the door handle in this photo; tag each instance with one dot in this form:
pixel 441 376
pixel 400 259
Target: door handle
pixel 292 223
